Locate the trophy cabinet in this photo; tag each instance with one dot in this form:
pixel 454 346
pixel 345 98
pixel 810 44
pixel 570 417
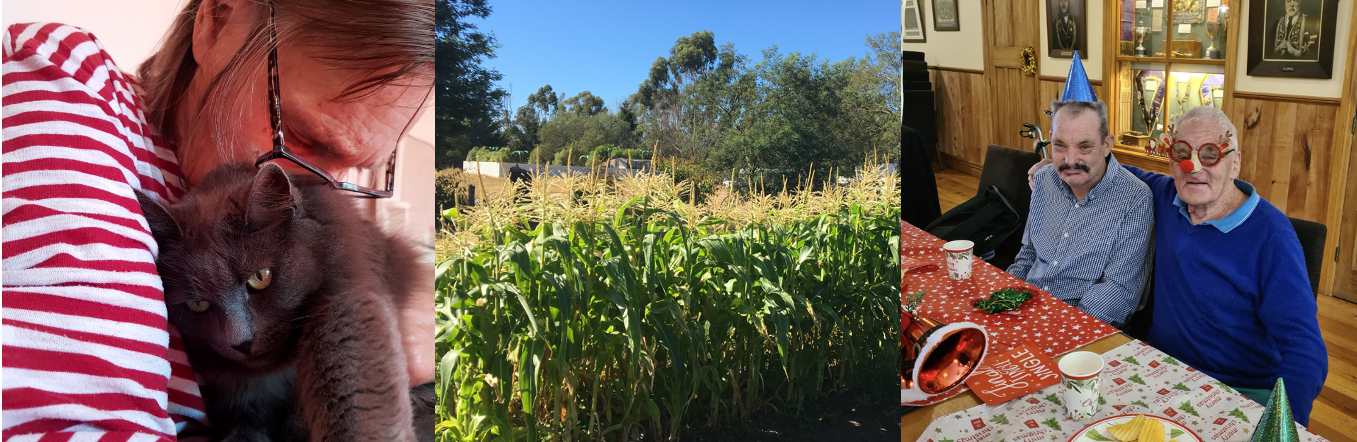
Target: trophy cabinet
pixel 1166 56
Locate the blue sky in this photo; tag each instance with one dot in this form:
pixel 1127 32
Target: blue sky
pixel 607 47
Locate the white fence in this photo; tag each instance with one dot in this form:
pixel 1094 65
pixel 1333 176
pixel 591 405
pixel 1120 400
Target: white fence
pixel 537 170
pixel 502 169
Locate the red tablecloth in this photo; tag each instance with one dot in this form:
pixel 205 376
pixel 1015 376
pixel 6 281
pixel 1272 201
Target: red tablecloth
pixel 1046 322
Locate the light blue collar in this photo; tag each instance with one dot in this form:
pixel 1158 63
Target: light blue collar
pixel 1234 219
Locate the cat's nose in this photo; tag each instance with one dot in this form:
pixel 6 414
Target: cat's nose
pixel 243 347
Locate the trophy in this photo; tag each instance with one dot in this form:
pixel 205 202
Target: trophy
pixel 1139 33
pixel 1214 28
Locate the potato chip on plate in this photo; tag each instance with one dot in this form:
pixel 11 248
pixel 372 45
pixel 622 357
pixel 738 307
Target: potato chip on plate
pixel 1136 428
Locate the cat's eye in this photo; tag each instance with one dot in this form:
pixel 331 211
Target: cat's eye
pixel 198 306
pixel 261 279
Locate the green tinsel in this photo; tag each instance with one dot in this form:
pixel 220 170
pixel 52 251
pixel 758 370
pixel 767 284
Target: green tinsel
pixel 1003 300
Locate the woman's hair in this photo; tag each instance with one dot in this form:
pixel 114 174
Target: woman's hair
pixel 388 42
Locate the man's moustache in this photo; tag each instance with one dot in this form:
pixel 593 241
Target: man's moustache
pixel 1081 166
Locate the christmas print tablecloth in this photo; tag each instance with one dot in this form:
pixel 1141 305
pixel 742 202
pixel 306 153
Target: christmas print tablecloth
pixel 914 241
pixel 1136 379
pixel 1048 323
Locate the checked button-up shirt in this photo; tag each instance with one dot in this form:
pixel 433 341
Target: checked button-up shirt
pixel 1094 254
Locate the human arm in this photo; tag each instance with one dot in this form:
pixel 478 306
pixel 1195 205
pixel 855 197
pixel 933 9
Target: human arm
pixel 1288 312
pixel 1116 294
pixel 1158 182
pixel 1032 171
pixel 84 312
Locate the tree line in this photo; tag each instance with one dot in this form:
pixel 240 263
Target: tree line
pixel 707 108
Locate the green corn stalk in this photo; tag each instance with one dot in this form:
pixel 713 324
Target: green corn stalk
pixel 626 312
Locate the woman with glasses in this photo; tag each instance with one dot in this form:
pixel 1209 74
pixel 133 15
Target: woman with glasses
pixel 317 87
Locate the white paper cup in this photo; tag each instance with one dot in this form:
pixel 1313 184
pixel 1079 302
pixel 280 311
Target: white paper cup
pixel 1080 374
pixel 959 257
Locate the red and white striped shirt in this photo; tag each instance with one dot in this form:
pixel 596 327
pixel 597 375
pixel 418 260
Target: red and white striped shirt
pixel 87 352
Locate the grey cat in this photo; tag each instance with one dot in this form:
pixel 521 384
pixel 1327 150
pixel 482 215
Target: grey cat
pixel 288 302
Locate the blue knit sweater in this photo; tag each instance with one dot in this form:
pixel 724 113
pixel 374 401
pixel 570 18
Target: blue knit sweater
pixel 1236 306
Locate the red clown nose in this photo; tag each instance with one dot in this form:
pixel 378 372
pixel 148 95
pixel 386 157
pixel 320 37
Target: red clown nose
pixel 1186 166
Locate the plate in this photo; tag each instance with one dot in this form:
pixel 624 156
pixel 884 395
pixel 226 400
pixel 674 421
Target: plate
pixel 1097 431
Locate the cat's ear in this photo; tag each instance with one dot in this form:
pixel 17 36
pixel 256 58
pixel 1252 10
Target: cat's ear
pixel 163 227
pixel 271 198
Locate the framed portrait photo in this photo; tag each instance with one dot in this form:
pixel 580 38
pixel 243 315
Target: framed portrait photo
pixel 1066 29
pixel 945 16
pixel 912 21
pixel 1292 38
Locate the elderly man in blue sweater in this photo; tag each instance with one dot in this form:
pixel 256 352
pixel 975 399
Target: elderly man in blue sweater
pixel 1232 296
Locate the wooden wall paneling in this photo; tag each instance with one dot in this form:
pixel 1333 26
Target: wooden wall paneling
pixel 1291 98
pixel 962 115
pixel 1285 146
pixel 1309 165
pixel 1249 135
pixel 1283 143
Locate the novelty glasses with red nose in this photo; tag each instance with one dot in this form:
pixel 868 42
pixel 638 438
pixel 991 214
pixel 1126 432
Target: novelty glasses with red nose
pixel 1190 159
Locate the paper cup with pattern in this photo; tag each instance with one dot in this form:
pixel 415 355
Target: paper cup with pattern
pixel 1080 373
pixel 959 257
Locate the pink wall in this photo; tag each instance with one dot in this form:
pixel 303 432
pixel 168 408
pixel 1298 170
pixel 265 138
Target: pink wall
pixel 129 29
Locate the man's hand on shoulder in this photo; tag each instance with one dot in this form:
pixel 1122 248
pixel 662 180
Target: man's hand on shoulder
pixel 1033 171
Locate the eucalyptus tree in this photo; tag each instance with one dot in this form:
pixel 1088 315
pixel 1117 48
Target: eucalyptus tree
pixel 692 97
pixel 795 127
pixel 872 99
pixel 465 95
pixel 521 132
pixel 583 104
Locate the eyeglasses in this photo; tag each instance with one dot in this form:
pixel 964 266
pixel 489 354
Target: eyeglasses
pixel 280 149
pixel 1209 154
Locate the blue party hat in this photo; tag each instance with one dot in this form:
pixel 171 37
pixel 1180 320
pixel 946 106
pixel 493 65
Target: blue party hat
pixel 1076 83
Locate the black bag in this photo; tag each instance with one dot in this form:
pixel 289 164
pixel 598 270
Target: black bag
pixel 986 220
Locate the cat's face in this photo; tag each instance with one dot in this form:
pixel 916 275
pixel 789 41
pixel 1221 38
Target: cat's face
pixel 235 264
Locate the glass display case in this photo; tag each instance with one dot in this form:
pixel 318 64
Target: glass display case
pixel 1170 58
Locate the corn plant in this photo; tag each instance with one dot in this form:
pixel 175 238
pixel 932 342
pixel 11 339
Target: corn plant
pixel 615 311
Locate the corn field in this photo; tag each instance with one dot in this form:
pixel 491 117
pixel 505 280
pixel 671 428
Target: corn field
pixel 609 309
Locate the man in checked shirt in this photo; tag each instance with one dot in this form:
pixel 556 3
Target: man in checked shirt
pixel 1089 231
